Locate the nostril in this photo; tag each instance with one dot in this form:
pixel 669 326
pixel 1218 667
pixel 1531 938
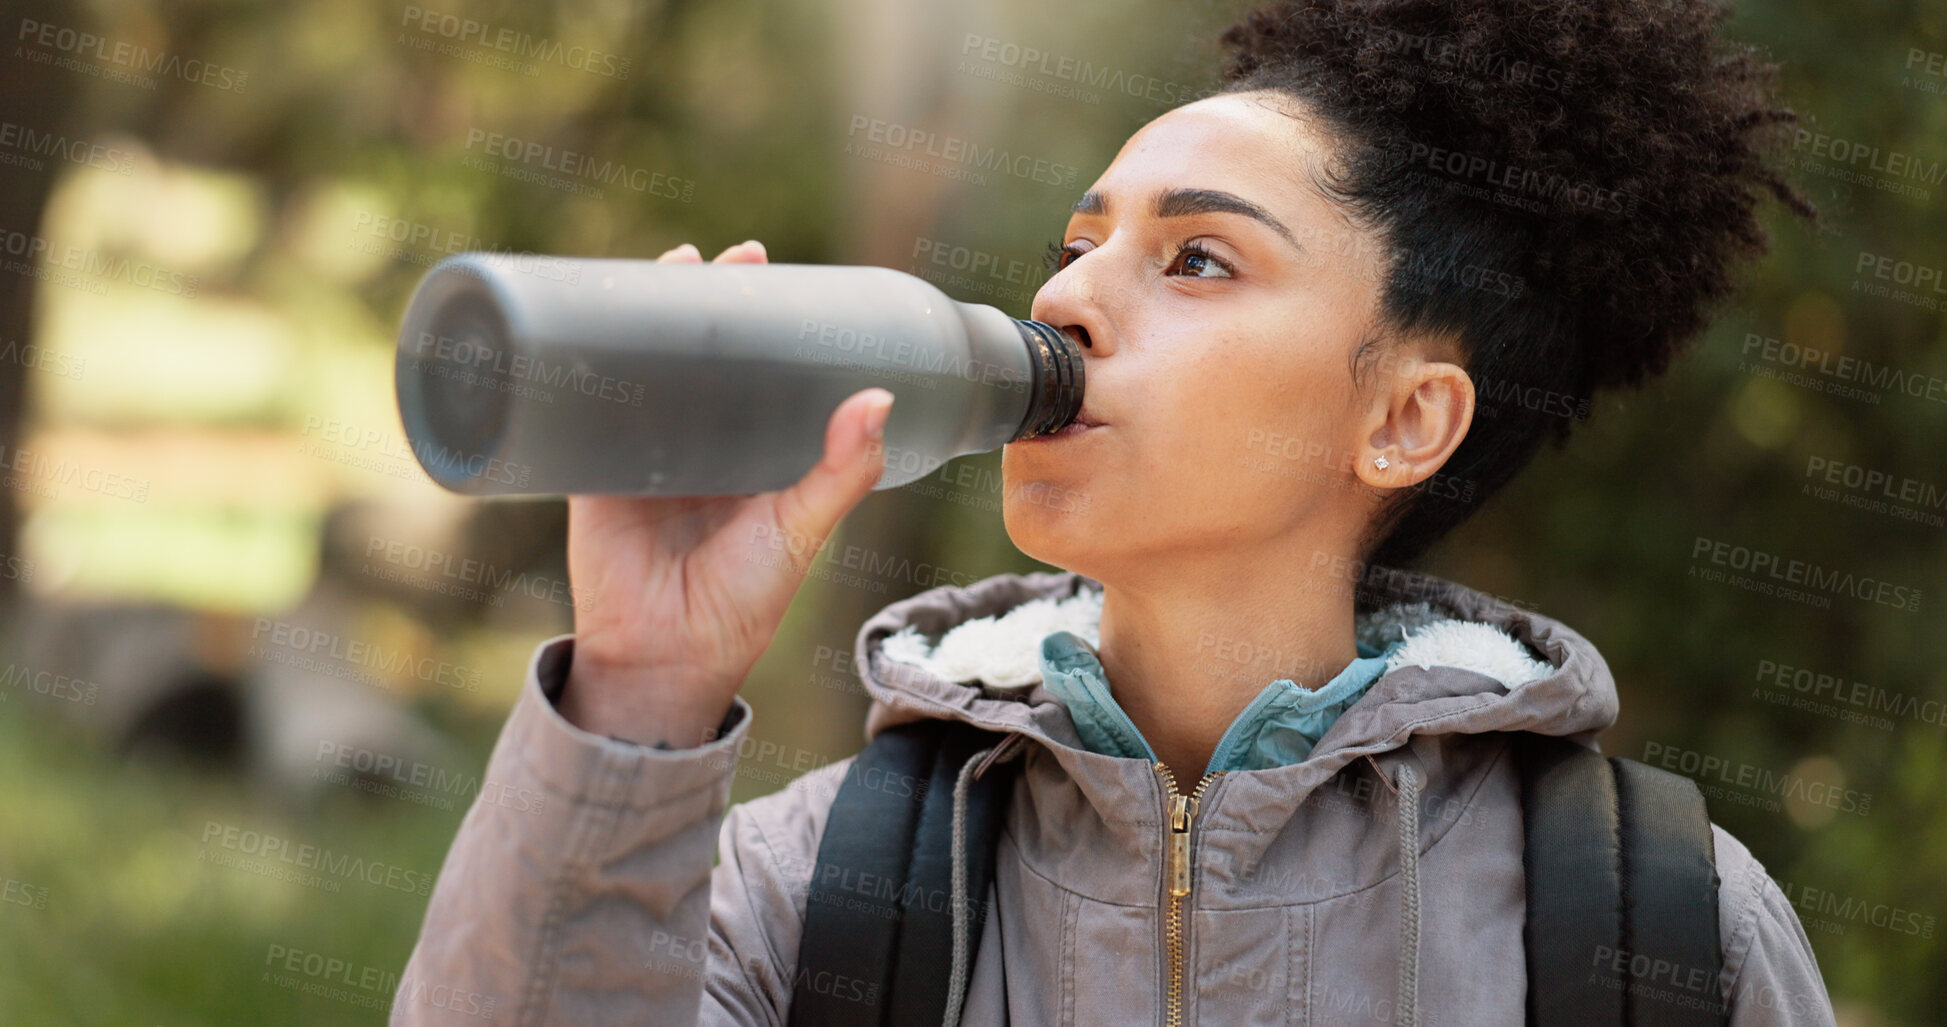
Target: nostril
pixel 1080 334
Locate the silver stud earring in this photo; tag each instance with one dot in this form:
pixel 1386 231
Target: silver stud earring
pixel 1379 462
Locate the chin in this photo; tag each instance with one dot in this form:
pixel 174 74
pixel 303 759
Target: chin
pixel 1054 525
pixel 1049 506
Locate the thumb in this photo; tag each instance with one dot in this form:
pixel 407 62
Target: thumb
pixel 854 461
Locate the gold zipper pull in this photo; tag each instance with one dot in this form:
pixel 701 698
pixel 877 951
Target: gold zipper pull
pixel 1183 809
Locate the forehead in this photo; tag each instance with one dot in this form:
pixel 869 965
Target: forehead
pixel 1249 144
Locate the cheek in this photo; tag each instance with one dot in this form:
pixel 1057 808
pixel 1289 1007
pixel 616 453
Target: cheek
pixel 1245 439
pixel 1254 403
pixel 1181 451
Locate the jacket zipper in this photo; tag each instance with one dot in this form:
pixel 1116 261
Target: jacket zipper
pixel 1182 819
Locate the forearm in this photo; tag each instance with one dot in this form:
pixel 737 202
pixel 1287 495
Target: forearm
pixel 579 852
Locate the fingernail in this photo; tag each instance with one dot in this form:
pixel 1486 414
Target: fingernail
pixel 875 420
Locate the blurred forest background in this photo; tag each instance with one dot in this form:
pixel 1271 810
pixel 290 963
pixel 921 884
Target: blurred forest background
pixel 238 617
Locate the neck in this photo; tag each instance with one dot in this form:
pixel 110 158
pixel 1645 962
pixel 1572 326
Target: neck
pixel 1186 648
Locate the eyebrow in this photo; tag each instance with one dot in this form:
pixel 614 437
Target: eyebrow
pixel 1176 203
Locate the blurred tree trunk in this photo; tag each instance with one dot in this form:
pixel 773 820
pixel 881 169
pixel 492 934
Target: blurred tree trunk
pixel 37 98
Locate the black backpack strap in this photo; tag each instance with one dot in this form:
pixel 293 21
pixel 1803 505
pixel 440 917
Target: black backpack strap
pixel 1572 859
pixel 1621 888
pixel 923 976
pixel 851 925
pixel 1669 899
pixel 877 946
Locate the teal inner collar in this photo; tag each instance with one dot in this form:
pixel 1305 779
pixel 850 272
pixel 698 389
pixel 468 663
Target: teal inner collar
pixel 1279 727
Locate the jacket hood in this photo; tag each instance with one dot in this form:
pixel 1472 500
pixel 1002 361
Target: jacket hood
pixel 1467 663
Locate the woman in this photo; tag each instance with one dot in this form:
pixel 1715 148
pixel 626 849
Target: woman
pixel 1326 312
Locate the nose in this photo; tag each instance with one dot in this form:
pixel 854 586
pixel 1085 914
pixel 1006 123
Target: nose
pixel 1070 300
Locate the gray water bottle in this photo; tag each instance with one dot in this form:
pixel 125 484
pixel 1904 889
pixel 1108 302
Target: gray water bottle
pixel 540 375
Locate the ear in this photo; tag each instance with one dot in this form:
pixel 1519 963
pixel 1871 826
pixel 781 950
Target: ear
pixel 1420 412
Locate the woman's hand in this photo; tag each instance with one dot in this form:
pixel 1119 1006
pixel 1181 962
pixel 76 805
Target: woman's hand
pixel 677 597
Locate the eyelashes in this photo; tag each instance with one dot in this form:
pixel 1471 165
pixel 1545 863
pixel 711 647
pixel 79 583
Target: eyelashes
pixel 1056 257
pixel 1051 259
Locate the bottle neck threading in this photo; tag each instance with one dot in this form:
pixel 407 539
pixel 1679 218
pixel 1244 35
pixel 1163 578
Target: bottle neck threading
pixel 1054 380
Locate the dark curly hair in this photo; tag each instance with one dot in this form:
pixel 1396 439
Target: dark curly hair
pixel 1561 186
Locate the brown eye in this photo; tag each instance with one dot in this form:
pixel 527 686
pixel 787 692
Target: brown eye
pixel 1197 262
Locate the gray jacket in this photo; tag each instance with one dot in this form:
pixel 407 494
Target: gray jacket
pixel 599 903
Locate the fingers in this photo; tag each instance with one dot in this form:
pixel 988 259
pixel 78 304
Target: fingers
pixel 854 461
pixel 750 251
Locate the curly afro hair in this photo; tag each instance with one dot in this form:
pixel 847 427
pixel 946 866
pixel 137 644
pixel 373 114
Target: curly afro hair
pixel 1562 187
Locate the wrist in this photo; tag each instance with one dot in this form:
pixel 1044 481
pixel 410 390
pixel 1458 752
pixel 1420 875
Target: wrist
pixel 645 705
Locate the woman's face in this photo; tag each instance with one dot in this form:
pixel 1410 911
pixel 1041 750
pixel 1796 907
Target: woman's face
pixel 1223 298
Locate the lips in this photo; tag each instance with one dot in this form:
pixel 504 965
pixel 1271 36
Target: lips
pixel 1084 422
pixel 1072 429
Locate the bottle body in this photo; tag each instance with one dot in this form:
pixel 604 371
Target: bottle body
pixel 554 376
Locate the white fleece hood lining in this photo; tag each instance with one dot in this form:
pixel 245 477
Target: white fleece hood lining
pixel 1004 651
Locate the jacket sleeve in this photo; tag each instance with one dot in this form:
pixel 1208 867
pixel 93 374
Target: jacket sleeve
pixel 1770 975
pixel 580 890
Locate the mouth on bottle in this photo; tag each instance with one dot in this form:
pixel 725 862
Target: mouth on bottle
pixel 1055 380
